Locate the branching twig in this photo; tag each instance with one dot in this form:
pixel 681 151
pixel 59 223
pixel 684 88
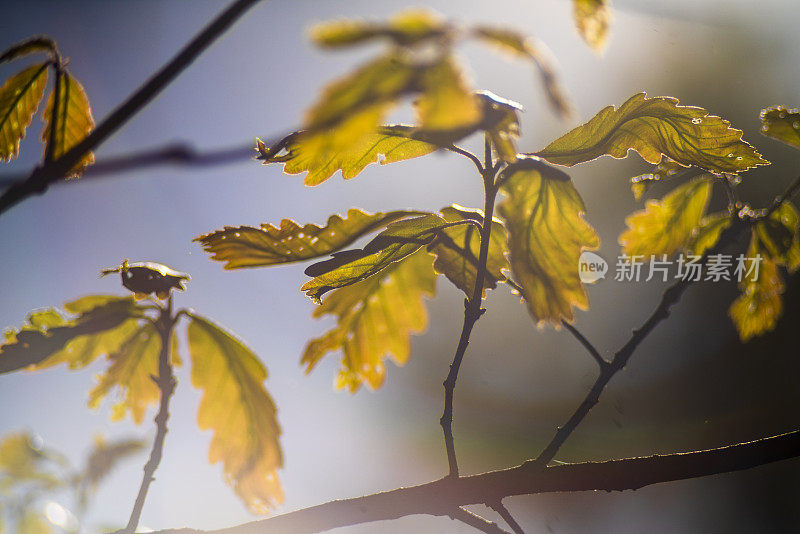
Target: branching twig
pixel 472 312
pixel 41 177
pixel 166 385
pixel 440 497
pixel 602 362
pixel 477 522
pixel 786 195
pixel 501 509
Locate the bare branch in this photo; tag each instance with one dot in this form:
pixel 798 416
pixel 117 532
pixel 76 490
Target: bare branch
pixel 472 312
pixel 602 362
pixel 41 177
pixel 476 521
pixel 501 509
pixel 440 497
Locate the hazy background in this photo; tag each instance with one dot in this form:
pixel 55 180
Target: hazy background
pixel 690 385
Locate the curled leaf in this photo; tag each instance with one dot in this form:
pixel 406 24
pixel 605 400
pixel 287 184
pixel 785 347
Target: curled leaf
pixel 409 27
pixel 537 53
pixel 708 232
pixel 779 235
pixel 307 152
pixel 237 408
pixel 666 225
pixel 398 241
pixel 144 278
pixel 543 213
pixel 248 246
pixel 71 123
pixel 19 100
pixel 374 319
pixel 782 124
pixel 446 102
pixel 592 18
pixel 654 127
pixel 97 325
pixel 39 43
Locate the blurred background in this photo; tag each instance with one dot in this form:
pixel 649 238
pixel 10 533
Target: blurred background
pixel 691 385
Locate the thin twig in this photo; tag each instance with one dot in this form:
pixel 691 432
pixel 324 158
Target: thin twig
pixel 166 385
pixel 41 177
pixel 440 497
pixel 602 362
pixel 171 154
pixel 786 195
pixel 472 312
pixel 477 522
pixel 669 298
pixel 501 509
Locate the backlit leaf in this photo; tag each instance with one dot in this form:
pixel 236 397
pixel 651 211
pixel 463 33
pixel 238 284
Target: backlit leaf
pixel 40 43
pixel 406 28
pixel 757 310
pixel 446 101
pixel 129 376
pixel 706 235
pixel 19 99
pixel 101 323
pixel 31 522
pixel 102 460
pixel 592 18
pixel 19 459
pixel 374 320
pixel 237 408
pixel 778 235
pixel 518 45
pixel 308 152
pixel 654 127
pixel 398 241
pixel 73 122
pixel 457 249
pixel 543 213
pixel 666 226
pixel 249 246
pixel 781 124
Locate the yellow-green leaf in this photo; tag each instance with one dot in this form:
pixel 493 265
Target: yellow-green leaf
pixel 50 337
pixel 398 241
pixel 249 246
pixel 308 152
pixel 536 52
pixel 757 310
pixel 19 99
pixel 130 374
pixel 40 43
pixel 374 319
pixel 406 28
pixel 782 124
pixel 446 102
pixel 31 522
pixel 708 232
pixel 543 213
pixel 102 460
pixel 666 226
pixel 654 127
pixel 779 237
pixel 592 18
pixel 237 408
pixel 457 249
pixel 71 124
pixel 19 459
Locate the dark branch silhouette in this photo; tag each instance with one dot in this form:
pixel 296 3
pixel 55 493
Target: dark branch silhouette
pixel 42 176
pixel 441 497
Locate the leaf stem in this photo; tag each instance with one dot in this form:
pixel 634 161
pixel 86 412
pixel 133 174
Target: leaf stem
pixel 602 362
pixel 166 384
pixel 472 312
pixel 786 195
